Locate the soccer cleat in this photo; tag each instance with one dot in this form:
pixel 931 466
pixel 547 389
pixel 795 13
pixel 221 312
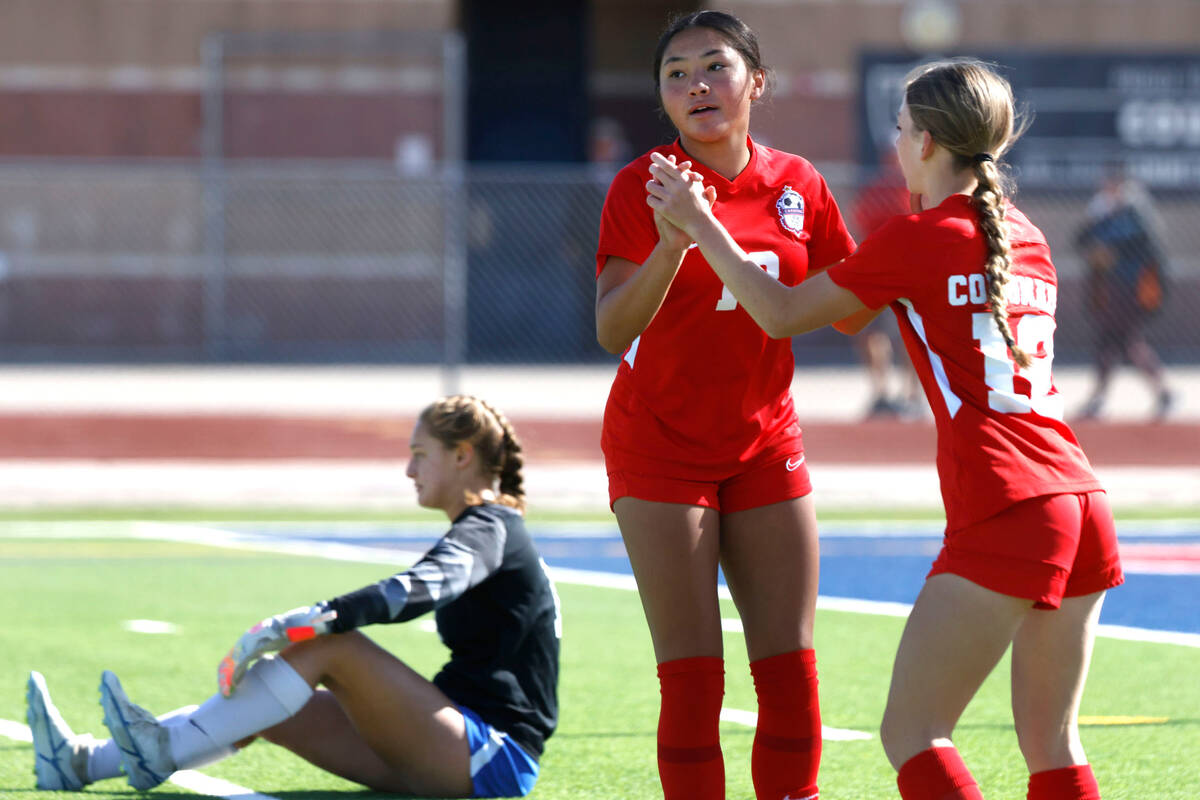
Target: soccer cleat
pixel 52 739
pixel 142 739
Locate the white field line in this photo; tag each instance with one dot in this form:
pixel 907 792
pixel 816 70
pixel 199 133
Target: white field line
pixel 543 529
pixel 879 608
pixel 152 627
pixel 185 778
pixel 218 537
pixel 15 730
pixel 750 720
pixel 1148 635
pixel 200 783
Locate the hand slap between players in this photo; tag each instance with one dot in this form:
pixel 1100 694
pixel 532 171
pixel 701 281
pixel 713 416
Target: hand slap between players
pixel 273 633
pixel 678 194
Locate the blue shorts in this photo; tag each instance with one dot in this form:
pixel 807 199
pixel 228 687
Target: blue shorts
pixel 499 767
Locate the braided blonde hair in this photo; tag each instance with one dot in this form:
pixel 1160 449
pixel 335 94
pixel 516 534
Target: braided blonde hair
pixel 968 109
pixel 463 418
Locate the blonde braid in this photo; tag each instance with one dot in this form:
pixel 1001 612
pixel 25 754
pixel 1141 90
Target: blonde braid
pixel 510 461
pixel 988 198
pixel 967 108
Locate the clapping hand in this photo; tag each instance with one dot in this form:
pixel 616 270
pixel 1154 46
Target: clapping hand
pixel 677 194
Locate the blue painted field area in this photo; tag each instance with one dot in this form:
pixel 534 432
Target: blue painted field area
pixel 869 561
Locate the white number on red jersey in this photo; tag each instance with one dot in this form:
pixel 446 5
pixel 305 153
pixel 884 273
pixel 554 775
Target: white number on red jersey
pixel 765 259
pixel 1034 333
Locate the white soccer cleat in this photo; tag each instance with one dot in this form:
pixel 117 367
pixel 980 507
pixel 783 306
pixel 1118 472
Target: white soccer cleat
pixel 142 739
pixel 52 739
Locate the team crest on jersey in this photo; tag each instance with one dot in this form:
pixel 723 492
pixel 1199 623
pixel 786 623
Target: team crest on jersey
pixel 790 206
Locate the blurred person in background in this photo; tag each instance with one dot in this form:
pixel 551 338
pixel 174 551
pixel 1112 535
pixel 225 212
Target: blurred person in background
pixel 880 345
pixel 476 730
pixel 608 148
pixel 1121 244
pixel 1030 547
pixel 701 440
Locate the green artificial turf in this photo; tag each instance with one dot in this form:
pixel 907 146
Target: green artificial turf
pixel 65 601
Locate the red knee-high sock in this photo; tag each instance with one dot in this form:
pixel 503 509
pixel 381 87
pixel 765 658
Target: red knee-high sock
pixel 690 764
pixel 937 774
pixel 1067 783
pixel 787 743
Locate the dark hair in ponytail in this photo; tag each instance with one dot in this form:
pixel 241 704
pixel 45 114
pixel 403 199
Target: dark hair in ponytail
pixel 463 418
pixel 968 109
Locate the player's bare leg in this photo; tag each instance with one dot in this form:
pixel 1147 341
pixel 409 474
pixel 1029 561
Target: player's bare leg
pixel 954 637
pixel 402 734
pixel 1051 652
pixel 876 351
pixel 770 558
pixel 1106 362
pixel 674 550
pixel 322 734
pixel 1147 362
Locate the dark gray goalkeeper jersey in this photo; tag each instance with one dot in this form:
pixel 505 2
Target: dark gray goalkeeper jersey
pixel 496 610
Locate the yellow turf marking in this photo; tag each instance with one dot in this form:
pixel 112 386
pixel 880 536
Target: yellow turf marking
pixel 1122 720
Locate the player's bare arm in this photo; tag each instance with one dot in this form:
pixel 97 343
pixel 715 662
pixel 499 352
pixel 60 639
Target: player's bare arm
pixel 779 310
pixel 628 295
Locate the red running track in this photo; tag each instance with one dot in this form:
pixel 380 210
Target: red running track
pixel 246 437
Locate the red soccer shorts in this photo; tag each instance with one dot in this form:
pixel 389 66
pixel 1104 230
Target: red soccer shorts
pixel 761 483
pixel 1044 548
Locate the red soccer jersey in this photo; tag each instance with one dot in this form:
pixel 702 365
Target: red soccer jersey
pixel 1001 438
pixel 703 388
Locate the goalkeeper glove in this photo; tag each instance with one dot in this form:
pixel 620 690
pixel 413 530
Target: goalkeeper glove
pixel 273 633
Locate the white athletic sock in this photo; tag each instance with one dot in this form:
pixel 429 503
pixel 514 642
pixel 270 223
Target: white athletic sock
pixel 270 692
pixel 94 759
pixel 103 757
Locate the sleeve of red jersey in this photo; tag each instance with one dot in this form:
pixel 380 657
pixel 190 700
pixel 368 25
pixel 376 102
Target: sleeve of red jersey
pixel 627 222
pixel 881 270
pixel 831 241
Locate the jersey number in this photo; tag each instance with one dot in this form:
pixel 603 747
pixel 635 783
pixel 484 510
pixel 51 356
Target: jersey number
pixel 1034 334
pixel 765 259
pixel 558 625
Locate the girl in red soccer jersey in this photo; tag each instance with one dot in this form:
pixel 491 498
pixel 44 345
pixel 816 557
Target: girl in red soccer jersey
pixel 701 440
pixel 1030 546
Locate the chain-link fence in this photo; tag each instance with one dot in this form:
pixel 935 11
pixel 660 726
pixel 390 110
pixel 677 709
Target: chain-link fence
pixel 316 263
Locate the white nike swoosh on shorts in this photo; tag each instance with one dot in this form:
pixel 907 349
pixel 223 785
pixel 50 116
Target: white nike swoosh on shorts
pixel 792 466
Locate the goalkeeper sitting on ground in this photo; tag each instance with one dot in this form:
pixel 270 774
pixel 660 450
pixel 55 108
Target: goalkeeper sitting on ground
pixel 476 730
